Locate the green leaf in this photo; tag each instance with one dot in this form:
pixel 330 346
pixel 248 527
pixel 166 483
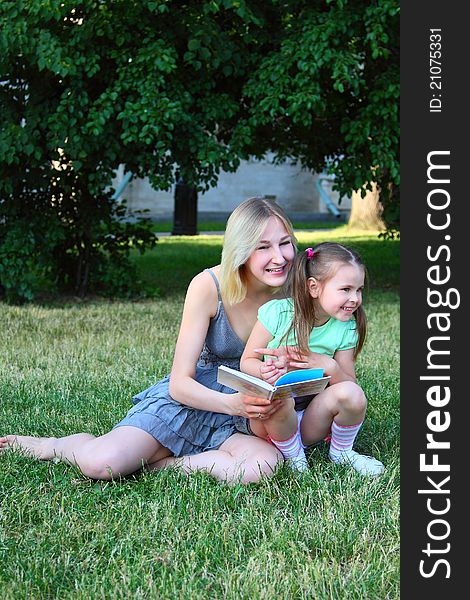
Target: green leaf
pixel 194 44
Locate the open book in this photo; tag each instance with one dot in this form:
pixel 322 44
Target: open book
pixel 302 382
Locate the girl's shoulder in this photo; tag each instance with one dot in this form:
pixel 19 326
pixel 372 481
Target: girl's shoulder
pixel 276 310
pixel 342 328
pixel 278 305
pixel 343 332
pixel 342 325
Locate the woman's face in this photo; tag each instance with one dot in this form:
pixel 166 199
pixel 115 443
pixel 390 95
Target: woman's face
pixel 271 260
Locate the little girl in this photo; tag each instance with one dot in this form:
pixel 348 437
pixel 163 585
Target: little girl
pixel 322 326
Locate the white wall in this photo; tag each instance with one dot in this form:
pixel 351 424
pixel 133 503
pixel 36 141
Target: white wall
pixel 293 188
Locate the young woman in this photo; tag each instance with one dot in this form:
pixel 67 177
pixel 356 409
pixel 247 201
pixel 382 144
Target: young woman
pixel 188 414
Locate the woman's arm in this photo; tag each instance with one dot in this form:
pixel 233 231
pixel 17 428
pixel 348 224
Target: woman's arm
pixel 200 305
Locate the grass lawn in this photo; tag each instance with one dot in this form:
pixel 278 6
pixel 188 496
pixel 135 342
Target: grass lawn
pixel 72 366
pixel 167 226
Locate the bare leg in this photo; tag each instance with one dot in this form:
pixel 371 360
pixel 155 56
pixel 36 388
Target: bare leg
pixel 281 425
pixel 120 452
pixel 281 428
pixel 241 458
pixel 42 448
pixel 342 407
pixel 344 403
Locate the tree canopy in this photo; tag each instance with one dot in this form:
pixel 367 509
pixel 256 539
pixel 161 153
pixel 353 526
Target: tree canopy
pixel 168 87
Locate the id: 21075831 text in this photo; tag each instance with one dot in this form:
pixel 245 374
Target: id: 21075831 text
pixel 435 70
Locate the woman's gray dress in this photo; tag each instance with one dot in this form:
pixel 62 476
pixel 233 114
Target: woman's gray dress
pixel 182 429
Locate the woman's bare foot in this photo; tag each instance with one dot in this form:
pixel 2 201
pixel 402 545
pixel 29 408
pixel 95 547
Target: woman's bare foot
pixel 38 447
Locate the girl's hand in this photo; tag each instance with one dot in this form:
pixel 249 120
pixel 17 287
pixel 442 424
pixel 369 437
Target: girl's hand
pixel 251 407
pixel 312 360
pixel 271 370
pixel 292 358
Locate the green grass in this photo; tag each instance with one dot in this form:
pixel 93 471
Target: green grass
pixel 73 366
pixel 166 269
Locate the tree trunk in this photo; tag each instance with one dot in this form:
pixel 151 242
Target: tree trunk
pixel 185 213
pixel 366 212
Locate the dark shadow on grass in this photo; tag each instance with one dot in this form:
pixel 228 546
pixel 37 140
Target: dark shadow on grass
pixel 167 270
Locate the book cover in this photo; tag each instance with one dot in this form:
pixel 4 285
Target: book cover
pixel 302 382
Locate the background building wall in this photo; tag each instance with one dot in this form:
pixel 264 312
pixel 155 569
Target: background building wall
pixel 292 187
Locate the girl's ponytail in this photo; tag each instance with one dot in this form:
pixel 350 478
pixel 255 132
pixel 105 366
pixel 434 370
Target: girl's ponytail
pixel 304 310
pixel 361 328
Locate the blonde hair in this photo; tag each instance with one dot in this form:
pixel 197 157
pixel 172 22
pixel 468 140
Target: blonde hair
pixel 321 263
pixel 244 229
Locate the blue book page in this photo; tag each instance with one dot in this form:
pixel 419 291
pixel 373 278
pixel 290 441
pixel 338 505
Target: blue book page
pixel 299 375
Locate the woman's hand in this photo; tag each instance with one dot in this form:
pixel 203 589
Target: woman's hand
pixel 251 407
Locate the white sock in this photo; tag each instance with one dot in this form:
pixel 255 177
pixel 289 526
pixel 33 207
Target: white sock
pixel 341 452
pixel 289 448
pixel 342 438
pixel 292 450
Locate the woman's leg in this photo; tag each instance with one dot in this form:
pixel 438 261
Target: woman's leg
pixel 241 458
pixel 120 452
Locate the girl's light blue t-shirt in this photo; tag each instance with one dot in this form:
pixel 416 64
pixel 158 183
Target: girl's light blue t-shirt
pixel 277 315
